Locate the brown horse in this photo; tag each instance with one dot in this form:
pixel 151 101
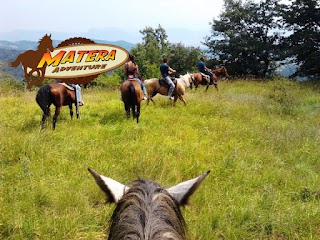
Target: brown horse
pixel 30 60
pixel 58 94
pixel 131 94
pixel 153 87
pixel 145 210
pixel 221 71
pixel 202 79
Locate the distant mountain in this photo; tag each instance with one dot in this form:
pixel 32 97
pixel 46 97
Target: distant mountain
pixel 189 37
pixel 27 45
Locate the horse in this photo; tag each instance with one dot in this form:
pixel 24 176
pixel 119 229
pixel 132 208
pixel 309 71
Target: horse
pixel 145 210
pixel 58 94
pixel 30 60
pixel 202 79
pixel 221 71
pixel 153 87
pixel 131 94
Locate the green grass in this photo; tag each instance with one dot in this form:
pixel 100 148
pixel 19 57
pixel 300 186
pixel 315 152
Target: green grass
pixel 259 139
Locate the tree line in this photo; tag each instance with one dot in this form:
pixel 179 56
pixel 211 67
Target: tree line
pixel 249 38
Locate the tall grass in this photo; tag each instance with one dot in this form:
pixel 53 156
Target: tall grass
pixel 259 139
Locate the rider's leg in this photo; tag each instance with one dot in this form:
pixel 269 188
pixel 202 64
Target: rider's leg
pixel 144 91
pixel 211 77
pixel 79 97
pixel 78 94
pixel 171 87
pixel 143 88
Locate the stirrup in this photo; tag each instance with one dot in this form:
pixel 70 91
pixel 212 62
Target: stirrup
pixel 170 97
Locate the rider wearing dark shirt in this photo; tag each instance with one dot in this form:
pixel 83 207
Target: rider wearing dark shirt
pixel 203 69
pixel 165 73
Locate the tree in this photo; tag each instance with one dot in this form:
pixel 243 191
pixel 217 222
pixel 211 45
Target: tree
pixel 303 45
pixel 150 52
pixel 155 46
pixel 247 37
pixel 184 59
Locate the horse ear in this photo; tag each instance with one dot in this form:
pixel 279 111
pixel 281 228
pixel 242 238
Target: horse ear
pixel 113 189
pixel 182 191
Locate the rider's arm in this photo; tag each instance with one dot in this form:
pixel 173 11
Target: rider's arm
pixel 171 70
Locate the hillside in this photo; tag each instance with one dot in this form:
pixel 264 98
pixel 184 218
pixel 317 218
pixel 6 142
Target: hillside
pixel 259 139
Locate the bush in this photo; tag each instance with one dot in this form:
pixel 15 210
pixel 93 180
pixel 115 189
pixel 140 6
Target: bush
pixel 9 85
pixel 111 82
pixel 282 93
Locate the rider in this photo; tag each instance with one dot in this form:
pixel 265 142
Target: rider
pixel 165 72
pixel 78 94
pixel 203 69
pixel 131 71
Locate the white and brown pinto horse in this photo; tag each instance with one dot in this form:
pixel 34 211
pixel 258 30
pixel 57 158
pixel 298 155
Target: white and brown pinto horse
pixel 153 87
pixel 145 210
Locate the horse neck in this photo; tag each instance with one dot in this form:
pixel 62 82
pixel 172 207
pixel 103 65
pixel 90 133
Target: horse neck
pixel 225 72
pixel 43 47
pixel 147 211
pixel 185 80
pixel 221 71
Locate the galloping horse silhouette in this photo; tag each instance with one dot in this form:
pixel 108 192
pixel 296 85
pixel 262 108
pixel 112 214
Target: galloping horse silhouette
pixel 145 210
pixel 201 79
pixel 59 95
pixel 131 94
pixel 30 60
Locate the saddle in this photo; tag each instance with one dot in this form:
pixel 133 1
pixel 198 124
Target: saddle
pixel 205 77
pixel 163 82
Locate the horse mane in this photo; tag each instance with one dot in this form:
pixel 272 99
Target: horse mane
pixel 43 40
pixel 185 79
pixel 147 211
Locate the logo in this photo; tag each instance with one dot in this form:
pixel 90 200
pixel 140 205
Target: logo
pixel 75 60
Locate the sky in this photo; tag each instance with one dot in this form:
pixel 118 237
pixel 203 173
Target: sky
pixel 78 16
pixel 72 15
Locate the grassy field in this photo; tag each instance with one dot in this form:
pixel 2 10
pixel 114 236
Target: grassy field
pixel 259 139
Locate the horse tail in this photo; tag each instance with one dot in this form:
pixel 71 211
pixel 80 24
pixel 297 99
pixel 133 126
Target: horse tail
pixel 43 98
pixel 132 96
pixel 16 62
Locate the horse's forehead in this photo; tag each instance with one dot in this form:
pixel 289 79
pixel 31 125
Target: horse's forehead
pixel 153 189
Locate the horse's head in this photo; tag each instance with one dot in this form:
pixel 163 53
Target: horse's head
pixel 221 71
pixel 226 72
pixel 45 43
pixel 145 210
pixel 190 79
